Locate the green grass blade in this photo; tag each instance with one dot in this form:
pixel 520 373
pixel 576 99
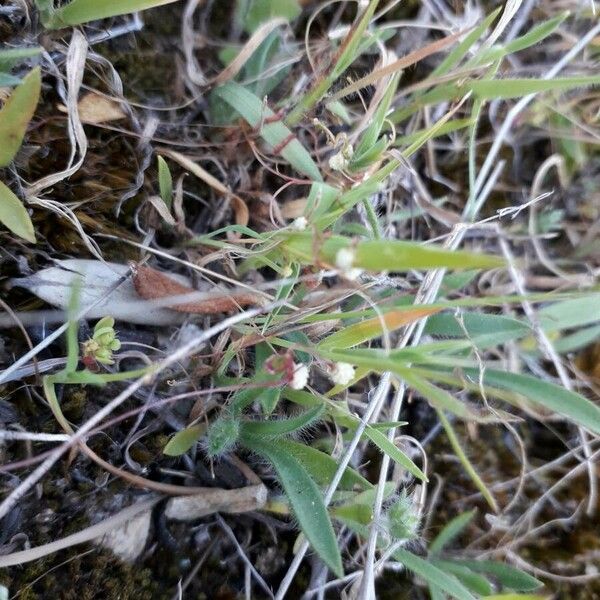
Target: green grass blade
pixel 370 329
pixel 466 463
pixel 548 395
pixel 383 255
pixel 387 447
pixel 536 34
pixel 14 216
pixel 16 114
pixel 508 576
pixel 474 582
pixel 84 11
pixel 504 89
pixel 165 182
pixel 275 133
pixel 433 575
pixel 570 313
pixel 9 58
pixel 461 50
pixel 346 55
pixel 450 531
pixel 306 501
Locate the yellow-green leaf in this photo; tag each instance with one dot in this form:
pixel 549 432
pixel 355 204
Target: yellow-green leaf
pixel 83 11
pixel 183 440
pixel 373 328
pixel 13 215
pixel 16 114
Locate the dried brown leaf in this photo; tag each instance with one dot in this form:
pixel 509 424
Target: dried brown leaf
pixel 151 284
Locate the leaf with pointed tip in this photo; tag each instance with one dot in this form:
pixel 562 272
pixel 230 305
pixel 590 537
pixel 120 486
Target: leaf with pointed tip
pixel 14 215
pixel 16 114
pixel 305 499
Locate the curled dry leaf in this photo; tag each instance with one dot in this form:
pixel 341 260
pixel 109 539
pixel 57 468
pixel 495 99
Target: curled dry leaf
pixel 94 109
pixel 212 500
pixel 242 214
pixel 151 284
pixel 97 280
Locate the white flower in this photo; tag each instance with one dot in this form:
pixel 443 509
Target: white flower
pixel 341 373
pixel 299 224
pixel 341 160
pixel 344 260
pixel 300 378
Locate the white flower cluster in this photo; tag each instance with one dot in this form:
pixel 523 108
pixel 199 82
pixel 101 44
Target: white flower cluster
pixel 341 373
pixel 300 378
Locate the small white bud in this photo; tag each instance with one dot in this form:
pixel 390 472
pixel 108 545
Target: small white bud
pixel 341 160
pixel 344 260
pixel 341 373
pixel 338 162
pixel 299 224
pixel 300 378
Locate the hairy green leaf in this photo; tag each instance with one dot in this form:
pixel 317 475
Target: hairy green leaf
pixel 305 499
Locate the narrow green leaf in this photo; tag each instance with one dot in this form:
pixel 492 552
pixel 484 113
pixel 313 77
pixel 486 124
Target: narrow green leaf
pixel 16 114
pixel 14 215
pixel 306 502
pixel 165 182
pixel 84 11
pixel 261 11
pixel 461 50
pixel 369 329
pixel 9 58
pixel 437 397
pixel 570 313
pixel 536 34
pixel 387 447
pixel 382 255
pixel 281 427
pixel 7 80
pixel 272 129
pixel 516 597
pixel 466 463
pixel 553 397
pixel 474 582
pixel 322 467
pixel 452 529
pixel 432 575
pixel 508 576
pixel 503 89
pixel 183 440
